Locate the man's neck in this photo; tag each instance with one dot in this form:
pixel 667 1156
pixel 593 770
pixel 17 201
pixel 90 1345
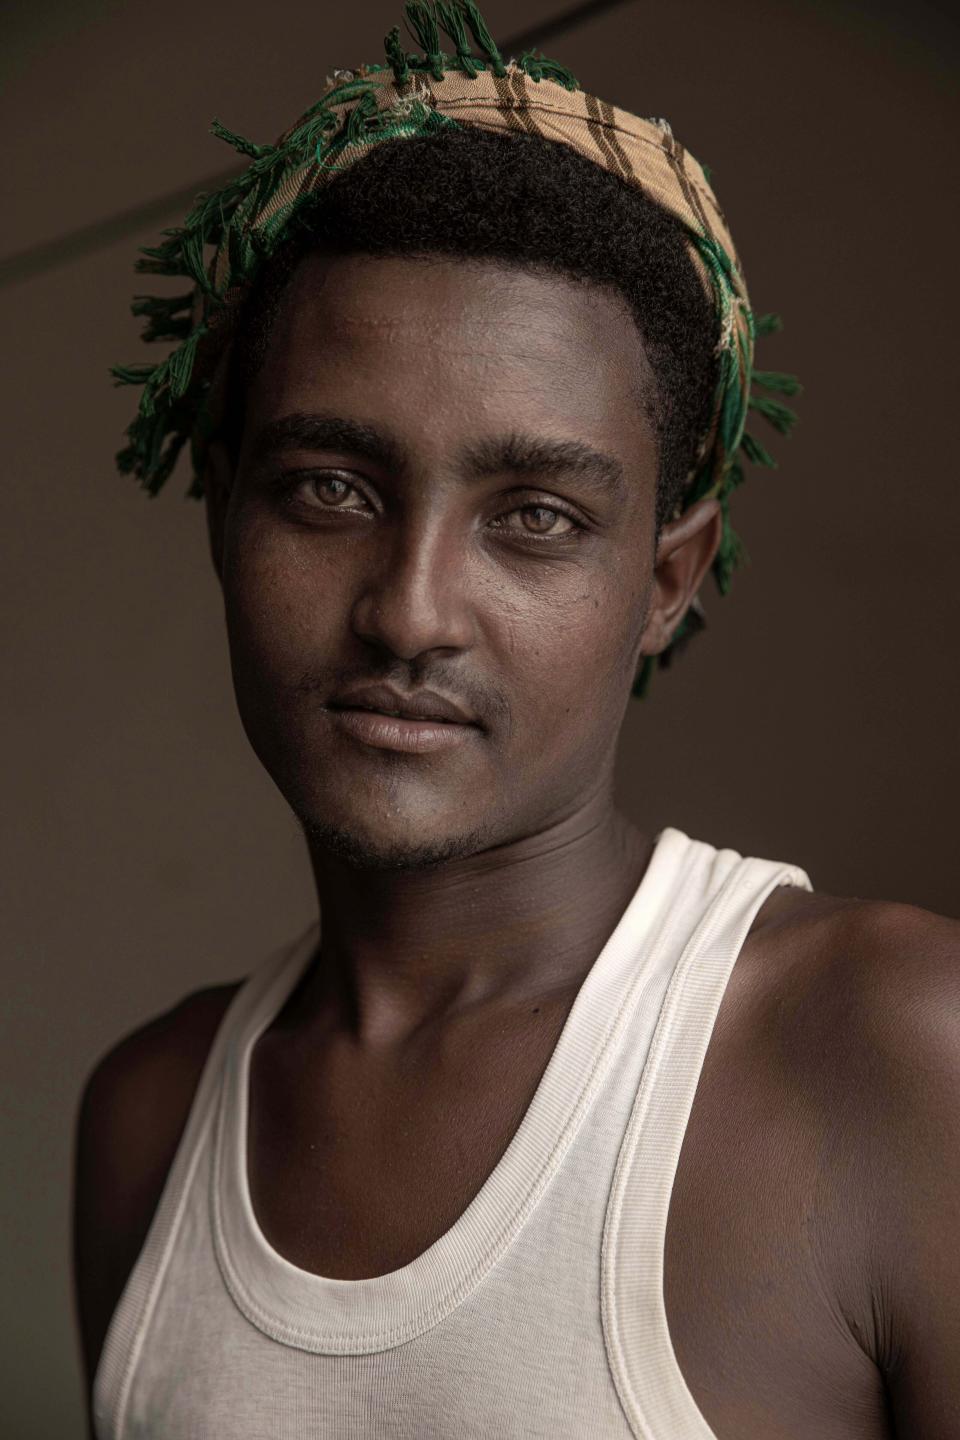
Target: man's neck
pixel 402 948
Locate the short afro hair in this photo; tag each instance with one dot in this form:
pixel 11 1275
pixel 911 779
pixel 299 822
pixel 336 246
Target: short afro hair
pixel 521 200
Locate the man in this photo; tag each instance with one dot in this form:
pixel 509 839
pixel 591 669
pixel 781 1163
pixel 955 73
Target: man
pixel 549 1127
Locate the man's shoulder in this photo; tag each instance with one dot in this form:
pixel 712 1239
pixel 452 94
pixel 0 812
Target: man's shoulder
pixel 846 988
pixel 854 1014
pixel 132 1115
pixel 137 1098
pixel 857 1022
pixel 881 974
pixel 833 1078
pixel 158 1059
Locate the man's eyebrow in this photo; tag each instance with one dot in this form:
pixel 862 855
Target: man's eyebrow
pixel 300 431
pixel 537 457
pixel 532 456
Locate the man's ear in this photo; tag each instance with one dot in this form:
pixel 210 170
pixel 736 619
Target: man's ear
pixel 217 487
pixel 684 554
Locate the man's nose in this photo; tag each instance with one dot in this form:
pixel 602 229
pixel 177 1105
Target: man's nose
pixel 416 597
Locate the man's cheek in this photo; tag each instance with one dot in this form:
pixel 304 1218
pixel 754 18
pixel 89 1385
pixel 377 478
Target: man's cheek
pixel 276 610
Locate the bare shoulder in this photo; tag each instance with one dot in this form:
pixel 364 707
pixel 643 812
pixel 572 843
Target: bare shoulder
pixel 872 973
pixel 132 1115
pixel 863 995
pixel 861 1013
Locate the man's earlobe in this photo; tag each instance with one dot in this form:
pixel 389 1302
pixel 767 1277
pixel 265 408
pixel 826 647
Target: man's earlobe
pixel 685 552
pixel 217 487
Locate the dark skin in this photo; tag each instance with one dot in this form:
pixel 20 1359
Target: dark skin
pixel 403 533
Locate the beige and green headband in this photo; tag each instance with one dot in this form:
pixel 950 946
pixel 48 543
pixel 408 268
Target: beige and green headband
pixel 230 233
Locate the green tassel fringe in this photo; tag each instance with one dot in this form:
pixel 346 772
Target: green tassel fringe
pixel 168 317
pixel 538 67
pixel 756 453
pixel 244 147
pixel 482 36
pixel 395 53
pixel 781 417
pixel 776 380
pixel 422 21
pixel 132 374
pixel 451 20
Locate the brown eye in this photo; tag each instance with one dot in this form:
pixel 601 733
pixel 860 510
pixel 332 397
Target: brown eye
pixel 331 489
pixel 325 491
pixel 539 522
pixel 539 518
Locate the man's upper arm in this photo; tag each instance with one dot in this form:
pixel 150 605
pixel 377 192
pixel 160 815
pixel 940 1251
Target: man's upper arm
pixel 913 1029
pixel 132 1115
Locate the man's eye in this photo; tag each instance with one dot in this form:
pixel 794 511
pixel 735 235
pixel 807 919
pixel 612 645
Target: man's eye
pixel 543 520
pixel 331 492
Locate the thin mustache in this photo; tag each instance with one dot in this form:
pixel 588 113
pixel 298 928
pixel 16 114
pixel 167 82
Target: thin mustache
pixel 486 706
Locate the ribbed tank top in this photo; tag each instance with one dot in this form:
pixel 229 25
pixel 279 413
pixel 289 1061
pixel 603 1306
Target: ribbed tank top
pixel 540 1312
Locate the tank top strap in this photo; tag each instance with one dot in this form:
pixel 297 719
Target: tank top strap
pixel 652 1390
pixel 131 1318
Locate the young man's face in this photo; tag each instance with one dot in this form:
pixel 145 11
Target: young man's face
pixel 446 482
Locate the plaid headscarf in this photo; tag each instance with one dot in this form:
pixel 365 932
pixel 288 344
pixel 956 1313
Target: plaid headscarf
pixel 420 94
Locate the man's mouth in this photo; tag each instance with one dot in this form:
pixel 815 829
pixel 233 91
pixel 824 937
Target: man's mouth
pixel 414 722
pixel 394 730
pixel 399 714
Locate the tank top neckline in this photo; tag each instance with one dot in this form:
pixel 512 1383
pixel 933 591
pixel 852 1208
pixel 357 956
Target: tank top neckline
pixel 330 1316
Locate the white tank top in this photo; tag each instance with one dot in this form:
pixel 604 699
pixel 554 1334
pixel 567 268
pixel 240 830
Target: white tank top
pixel 540 1312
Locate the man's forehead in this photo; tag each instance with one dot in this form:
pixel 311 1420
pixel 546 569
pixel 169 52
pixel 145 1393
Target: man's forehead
pixel 520 350
pixel 437 294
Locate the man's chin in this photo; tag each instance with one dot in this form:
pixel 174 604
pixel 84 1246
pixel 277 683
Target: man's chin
pixel 361 850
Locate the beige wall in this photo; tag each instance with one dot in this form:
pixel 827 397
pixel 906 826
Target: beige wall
pixel 145 853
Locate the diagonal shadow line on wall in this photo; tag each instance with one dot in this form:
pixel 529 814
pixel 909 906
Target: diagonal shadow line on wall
pixel 87 239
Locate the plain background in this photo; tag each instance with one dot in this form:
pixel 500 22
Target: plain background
pixel 145 851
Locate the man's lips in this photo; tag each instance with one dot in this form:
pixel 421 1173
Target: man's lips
pixel 414 722
pixel 412 705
